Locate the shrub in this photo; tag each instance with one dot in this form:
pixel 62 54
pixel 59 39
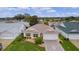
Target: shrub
pixel 60 42
pixel 46 23
pixel 67 38
pixel 38 40
pixel 62 37
pixel 20 37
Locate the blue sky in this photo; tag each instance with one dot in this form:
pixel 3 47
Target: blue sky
pixel 40 11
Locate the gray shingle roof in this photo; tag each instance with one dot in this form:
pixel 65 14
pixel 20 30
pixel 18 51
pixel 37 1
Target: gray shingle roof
pixel 69 27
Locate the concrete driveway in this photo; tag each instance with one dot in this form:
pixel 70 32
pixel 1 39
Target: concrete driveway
pixel 52 45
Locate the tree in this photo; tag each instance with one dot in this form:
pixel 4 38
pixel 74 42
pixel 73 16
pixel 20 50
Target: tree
pixel 19 17
pixel 27 18
pixel 46 23
pixel 70 18
pixel 67 19
pixel 33 20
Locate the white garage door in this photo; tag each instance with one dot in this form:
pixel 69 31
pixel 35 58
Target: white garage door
pixel 53 36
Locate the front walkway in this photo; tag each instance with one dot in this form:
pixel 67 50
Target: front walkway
pixel 52 45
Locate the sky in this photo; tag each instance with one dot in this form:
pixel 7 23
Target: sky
pixel 40 11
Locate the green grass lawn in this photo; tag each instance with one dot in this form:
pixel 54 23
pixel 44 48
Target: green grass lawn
pixel 19 44
pixel 67 45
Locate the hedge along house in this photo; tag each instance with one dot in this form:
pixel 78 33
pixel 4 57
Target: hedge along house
pixel 37 31
pixel 69 30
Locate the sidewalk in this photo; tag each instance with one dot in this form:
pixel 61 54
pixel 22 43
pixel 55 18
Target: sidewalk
pixel 5 42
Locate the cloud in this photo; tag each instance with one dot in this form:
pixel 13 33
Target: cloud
pixel 11 11
pixel 8 8
pixel 42 10
pixel 72 13
pixel 38 12
pixel 52 10
pixel 74 7
pixel 48 9
pixel 69 14
pixel 45 8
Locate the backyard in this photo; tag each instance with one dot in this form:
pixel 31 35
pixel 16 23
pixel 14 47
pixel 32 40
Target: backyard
pixel 19 44
pixel 66 44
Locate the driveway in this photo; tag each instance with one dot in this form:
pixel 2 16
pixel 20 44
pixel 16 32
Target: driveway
pixel 52 45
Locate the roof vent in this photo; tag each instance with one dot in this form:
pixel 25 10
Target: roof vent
pixel 62 24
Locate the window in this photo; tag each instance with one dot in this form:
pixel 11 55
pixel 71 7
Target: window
pixel 35 35
pixel 28 37
pixel 27 34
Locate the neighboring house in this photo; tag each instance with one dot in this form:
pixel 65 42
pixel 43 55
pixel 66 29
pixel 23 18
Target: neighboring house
pixel 26 24
pixel 51 24
pixel 69 30
pixel 11 30
pixel 37 31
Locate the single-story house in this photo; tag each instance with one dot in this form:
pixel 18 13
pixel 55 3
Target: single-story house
pixel 11 30
pixel 69 30
pixel 50 36
pixel 37 30
pixel 26 24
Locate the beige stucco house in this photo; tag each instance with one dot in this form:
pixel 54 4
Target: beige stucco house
pixel 37 31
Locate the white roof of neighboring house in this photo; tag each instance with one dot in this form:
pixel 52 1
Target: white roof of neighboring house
pixel 26 24
pixel 42 28
pixel 10 30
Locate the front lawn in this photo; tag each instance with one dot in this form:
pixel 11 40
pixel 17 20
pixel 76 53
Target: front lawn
pixel 67 45
pixel 19 44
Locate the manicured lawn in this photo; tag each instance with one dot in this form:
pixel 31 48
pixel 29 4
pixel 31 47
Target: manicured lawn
pixel 67 45
pixel 19 44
